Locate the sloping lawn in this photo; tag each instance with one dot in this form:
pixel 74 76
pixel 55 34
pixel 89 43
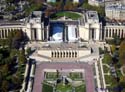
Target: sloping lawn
pixel 71 15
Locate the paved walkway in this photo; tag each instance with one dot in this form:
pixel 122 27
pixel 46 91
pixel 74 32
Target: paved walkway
pixel 121 69
pixel 106 65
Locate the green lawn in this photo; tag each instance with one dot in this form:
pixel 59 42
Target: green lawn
pixel 80 88
pixel 106 69
pixel 107 59
pixel 75 75
pixel 64 88
pixel 71 15
pixel 47 88
pixel 119 73
pixel 51 75
pixel 108 79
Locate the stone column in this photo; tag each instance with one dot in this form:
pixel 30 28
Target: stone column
pixel 108 33
pixel 65 33
pixel 95 34
pixel 115 32
pixel 4 33
pixel 7 32
pixel 111 33
pixel 53 54
pixel 64 55
pixel 104 33
pixel 71 54
pixel 0 33
pixel 59 53
pixel 90 35
pixel 123 33
pixel 120 33
pixel 77 31
pixel 33 38
pixel 100 34
pixel 47 33
pixel 42 34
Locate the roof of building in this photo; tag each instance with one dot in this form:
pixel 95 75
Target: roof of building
pixel 115 23
pixel 10 23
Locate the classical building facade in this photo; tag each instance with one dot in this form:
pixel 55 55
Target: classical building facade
pixel 32 28
pixel 61 52
pixel 88 27
pixel 111 30
pixel 115 11
pixel 105 2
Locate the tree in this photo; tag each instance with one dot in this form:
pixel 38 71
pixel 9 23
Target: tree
pixel 113 48
pixel 16 81
pixel 5 86
pixel 13 53
pixel 1 77
pixel 116 39
pixel 29 50
pixel 68 5
pixel 5 70
pixel 9 1
pixel 19 35
pixel 122 52
pixel 100 9
pixel 10 38
pixel 123 90
pixel 21 57
pixel 7 61
pixel 1 56
pixel 59 6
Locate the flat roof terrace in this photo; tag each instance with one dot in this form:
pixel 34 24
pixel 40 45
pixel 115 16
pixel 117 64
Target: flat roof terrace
pixel 64 46
pixel 39 73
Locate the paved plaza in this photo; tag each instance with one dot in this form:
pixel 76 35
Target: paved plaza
pixel 39 73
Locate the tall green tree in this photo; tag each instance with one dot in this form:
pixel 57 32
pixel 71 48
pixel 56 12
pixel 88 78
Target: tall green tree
pixel 22 57
pixel 5 70
pixel 122 52
pixel 5 86
pixel 1 56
